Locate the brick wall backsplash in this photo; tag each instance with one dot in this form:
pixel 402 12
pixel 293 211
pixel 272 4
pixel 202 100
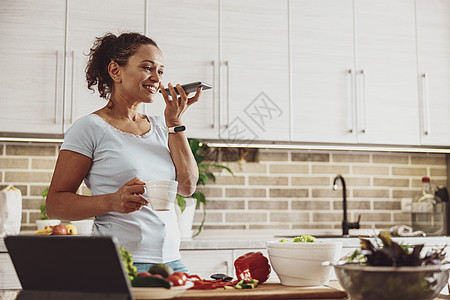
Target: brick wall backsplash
pixel 282 189
pixel 292 189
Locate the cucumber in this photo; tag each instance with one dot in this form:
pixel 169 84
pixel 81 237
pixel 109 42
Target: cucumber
pixel 246 284
pixel 151 281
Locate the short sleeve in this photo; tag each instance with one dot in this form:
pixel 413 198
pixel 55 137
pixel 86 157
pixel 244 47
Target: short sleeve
pixel 160 121
pixel 83 136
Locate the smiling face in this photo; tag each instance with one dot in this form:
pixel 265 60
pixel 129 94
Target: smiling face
pixel 141 77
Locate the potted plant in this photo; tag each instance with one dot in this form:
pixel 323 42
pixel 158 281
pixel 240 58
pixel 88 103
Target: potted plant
pixel 204 176
pixel 44 220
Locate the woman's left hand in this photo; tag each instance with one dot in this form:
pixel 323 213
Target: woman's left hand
pixel 176 106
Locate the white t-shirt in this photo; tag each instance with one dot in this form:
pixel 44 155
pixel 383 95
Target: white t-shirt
pixel 117 157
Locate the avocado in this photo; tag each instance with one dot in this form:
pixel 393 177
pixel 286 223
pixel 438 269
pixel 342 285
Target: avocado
pixel 151 281
pixel 162 269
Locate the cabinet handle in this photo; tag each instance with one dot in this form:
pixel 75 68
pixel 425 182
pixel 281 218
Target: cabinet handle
pixel 227 269
pixel 213 125
pixel 227 63
pixel 363 101
pixel 56 86
pixel 425 105
pixel 351 106
pixel 71 87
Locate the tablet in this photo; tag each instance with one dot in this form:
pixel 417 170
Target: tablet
pixel 69 265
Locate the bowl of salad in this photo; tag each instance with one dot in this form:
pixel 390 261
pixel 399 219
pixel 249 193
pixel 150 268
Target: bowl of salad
pixel 298 261
pixel 387 270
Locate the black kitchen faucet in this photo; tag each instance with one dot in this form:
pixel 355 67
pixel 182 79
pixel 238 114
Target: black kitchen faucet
pixel 345 224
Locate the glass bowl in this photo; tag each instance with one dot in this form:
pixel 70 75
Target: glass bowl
pixel 392 283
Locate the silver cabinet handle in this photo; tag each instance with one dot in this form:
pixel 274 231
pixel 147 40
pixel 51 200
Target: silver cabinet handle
pixel 213 125
pixel 351 101
pixel 72 87
pixel 425 105
pixel 56 87
pixel 363 102
pixel 227 269
pixel 227 63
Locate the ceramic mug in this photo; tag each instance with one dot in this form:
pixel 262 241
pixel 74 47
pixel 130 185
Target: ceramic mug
pixel 161 194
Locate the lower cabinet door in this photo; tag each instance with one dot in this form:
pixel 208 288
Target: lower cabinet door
pixel 8 276
pixel 204 263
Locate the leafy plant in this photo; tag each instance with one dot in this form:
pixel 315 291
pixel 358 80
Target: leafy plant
pixel 43 207
pixel 393 254
pixel 204 176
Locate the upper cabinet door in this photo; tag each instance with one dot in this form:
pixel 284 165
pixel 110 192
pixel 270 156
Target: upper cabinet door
pixel 88 20
pixel 386 68
pixel 433 43
pixel 188 35
pixel 323 100
pixel 254 101
pixel 31 59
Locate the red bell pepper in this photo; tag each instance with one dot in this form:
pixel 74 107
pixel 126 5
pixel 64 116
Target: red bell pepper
pixel 252 265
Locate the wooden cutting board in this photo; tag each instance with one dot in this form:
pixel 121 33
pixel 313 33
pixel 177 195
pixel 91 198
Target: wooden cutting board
pixel 267 290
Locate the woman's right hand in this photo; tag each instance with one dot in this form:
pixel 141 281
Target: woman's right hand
pixel 176 106
pixel 128 197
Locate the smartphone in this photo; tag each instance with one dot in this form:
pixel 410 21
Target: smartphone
pixel 191 87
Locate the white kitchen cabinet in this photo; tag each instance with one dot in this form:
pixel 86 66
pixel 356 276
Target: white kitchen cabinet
pixel 239 47
pixel 8 276
pixel 323 102
pixel 204 263
pixel 31 57
pixel 354 66
pixel 433 44
pixel 188 36
pixel 86 21
pixel 36 87
pixel 386 68
pixel 207 262
pixel 255 70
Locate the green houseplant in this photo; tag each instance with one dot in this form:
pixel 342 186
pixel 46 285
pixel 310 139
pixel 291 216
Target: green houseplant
pixel 44 220
pixel 43 207
pixel 204 176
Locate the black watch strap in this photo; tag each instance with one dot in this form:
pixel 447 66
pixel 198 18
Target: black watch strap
pixel 175 129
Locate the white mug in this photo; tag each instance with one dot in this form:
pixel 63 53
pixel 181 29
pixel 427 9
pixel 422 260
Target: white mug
pixel 161 194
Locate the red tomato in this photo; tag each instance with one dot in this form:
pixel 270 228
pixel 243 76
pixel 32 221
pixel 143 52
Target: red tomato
pixel 176 280
pixel 157 275
pixel 144 274
pixel 181 275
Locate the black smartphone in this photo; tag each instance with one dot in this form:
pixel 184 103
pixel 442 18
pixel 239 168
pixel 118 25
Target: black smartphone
pixel 191 87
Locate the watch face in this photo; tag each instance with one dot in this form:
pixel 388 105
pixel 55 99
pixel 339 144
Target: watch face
pixel 180 128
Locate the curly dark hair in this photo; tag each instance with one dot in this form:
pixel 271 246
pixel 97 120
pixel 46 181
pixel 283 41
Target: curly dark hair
pixel 111 48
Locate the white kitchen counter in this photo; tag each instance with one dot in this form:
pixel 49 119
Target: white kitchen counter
pixel 242 239
pixel 237 241
pixel 257 239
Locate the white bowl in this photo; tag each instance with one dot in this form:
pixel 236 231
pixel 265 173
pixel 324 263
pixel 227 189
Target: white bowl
pixel 84 226
pixel 300 264
pixel 42 223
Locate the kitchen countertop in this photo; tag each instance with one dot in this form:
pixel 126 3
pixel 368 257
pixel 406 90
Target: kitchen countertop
pixel 257 239
pixel 244 239
pixel 193 294
pixel 216 240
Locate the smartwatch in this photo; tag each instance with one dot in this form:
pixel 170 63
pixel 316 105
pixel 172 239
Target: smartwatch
pixel 175 129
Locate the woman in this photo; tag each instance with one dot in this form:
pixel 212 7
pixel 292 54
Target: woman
pixel 116 149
